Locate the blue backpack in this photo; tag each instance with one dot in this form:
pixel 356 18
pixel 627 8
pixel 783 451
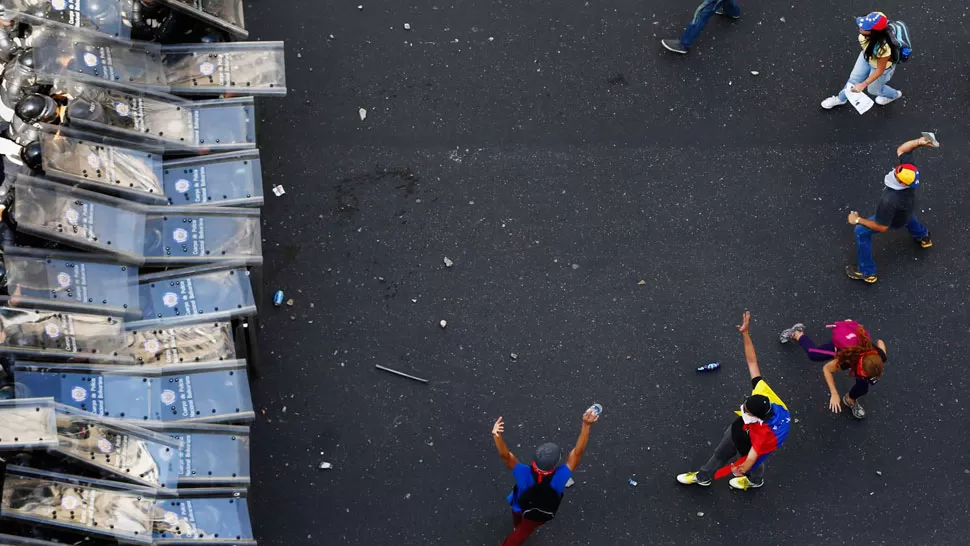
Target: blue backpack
pixel 902 46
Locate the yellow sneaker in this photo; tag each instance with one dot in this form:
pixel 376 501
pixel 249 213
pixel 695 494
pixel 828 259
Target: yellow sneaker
pixel 743 483
pixel 690 478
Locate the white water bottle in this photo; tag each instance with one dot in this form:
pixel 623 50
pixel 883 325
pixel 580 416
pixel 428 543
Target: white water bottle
pixel 596 408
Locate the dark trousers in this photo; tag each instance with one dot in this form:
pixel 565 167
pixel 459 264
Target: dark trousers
pixel 523 528
pixel 861 386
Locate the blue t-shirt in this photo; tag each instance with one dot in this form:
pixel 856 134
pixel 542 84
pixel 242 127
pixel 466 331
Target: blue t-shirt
pixel 523 481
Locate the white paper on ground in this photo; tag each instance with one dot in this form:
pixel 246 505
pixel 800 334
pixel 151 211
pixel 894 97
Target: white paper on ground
pixel 860 101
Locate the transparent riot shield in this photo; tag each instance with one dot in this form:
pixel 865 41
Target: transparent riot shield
pixel 58 336
pixel 210 454
pixel 79 218
pixel 28 423
pixel 95 507
pixel 190 295
pixel 194 235
pixel 231 179
pixel 115 170
pixel 205 516
pixel 224 14
pixel 240 68
pixel 108 391
pixel 118 448
pixel 175 124
pixel 108 17
pixel 11 540
pixel 70 281
pixel 203 342
pixel 109 62
pixel 209 392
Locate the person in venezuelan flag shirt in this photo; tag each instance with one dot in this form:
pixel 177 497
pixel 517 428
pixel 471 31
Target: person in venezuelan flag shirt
pixel 760 429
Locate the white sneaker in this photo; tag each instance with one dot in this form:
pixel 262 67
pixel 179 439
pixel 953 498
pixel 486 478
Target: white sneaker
pixel 883 101
pixel 832 102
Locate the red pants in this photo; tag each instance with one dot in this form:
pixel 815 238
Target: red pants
pixel 523 528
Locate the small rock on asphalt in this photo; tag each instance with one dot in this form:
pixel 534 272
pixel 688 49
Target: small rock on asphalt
pixel 700 514
pixel 443 323
pixel 363 114
pixel 513 356
pixel 448 262
pixel 407 26
pixel 290 302
pixel 325 466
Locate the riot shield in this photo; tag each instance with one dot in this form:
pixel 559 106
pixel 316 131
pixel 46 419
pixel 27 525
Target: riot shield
pixel 109 391
pixel 231 179
pixel 95 507
pixel 193 235
pixel 118 448
pixel 109 17
pixel 204 293
pixel 206 516
pixel 239 68
pixel 174 124
pixel 215 392
pixel 120 171
pixel 210 454
pixel 179 344
pixel 79 218
pixel 27 423
pixel 101 60
pixel 208 392
pixel 52 335
pixel 224 14
pixel 70 281
pixel 11 540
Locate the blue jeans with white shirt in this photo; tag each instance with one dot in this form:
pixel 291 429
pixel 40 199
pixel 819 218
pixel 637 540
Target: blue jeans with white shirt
pixel 878 88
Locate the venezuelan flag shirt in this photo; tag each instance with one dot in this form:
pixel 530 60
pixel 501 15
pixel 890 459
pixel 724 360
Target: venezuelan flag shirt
pixel 769 435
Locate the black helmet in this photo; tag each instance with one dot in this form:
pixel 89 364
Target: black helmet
pixel 36 108
pixel 82 109
pixel 26 58
pixel 30 154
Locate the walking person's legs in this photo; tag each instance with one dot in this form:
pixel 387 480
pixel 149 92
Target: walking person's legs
pixel 851 399
pixel 919 232
pixel 860 71
pixel 730 8
pixel 523 528
pixel 702 15
pixel 863 240
pixel 879 88
pixel 723 453
pixel 821 353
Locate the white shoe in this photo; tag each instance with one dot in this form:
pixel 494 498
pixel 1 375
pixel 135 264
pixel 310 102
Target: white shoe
pixel 883 101
pixel 832 102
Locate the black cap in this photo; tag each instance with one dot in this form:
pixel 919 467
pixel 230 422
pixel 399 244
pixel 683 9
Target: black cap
pixel 548 456
pixel 758 405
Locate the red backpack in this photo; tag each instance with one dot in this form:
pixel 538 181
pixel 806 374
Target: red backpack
pixel 845 334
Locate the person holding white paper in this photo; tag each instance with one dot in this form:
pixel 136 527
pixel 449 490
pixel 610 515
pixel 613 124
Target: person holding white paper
pixel 875 65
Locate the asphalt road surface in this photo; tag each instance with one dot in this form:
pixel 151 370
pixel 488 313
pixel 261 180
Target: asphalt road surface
pixel 558 156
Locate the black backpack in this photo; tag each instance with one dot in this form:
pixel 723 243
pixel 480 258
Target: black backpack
pixel 540 501
pixel 902 44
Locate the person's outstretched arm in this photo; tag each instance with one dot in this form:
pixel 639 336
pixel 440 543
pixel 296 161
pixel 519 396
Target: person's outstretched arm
pixel 576 455
pixel 835 402
pixel 749 354
pixel 503 450
pixel 911 145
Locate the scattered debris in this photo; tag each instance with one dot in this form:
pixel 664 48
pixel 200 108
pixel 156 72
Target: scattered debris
pixel 326 466
pixel 755 72
pixel 783 20
pixel 570 482
pixel 289 302
pixel 331 37
pixel 642 282
pixel 443 323
pixel 632 482
pixel 278 190
pixel 360 7
pixel 514 356
pixel 575 266
pixel 407 496
pixel 413 300
pixel 363 114
pixel 299 55
pixel 700 514
pixel 407 26
pixel 491 38
pixel 402 374
pixel 448 262
pixel 879 473
pixel 278 298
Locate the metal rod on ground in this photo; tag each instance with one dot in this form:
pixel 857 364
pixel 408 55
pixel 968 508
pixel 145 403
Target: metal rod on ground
pixel 402 374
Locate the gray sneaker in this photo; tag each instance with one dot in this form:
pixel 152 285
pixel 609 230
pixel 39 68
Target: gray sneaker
pixel 857 410
pixel 674 46
pixel 787 335
pixel 720 11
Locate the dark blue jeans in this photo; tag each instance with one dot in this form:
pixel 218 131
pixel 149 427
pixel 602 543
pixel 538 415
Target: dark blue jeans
pixel 863 241
pixel 703 14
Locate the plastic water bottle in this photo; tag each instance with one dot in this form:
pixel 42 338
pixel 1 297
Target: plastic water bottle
pixel 632 482
pixel 278 298
pixel 596 408
pixel 709 367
